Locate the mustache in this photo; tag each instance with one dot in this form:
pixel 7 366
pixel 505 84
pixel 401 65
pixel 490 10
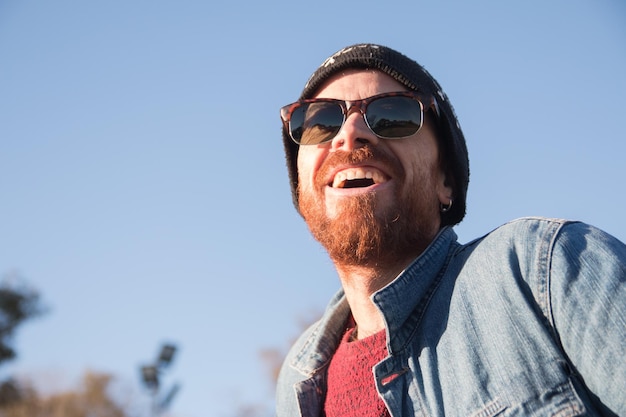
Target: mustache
pixel 362 155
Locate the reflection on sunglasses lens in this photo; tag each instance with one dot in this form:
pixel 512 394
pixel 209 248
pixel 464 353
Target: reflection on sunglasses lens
pixel 322 122
pixel 387 117
pixel 394 117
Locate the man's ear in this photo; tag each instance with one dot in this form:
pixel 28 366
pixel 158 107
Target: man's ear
pixel 446 188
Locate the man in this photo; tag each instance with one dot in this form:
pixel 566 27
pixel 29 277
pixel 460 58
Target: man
pixel 528 320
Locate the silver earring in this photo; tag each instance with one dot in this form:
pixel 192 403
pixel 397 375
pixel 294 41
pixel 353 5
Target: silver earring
pixel 445 209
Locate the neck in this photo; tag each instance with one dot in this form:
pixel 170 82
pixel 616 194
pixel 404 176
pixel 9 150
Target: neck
pixel 359 282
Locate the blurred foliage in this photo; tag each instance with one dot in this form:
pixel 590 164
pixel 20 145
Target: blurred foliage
pixel 92 399
pixel 273 357
pixel 18 302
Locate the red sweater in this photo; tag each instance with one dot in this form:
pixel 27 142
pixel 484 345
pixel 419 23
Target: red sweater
pixel 351 390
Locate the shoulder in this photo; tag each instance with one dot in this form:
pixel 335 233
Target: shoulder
pixel 538 250
pixel 542 233
pixel 529 228
pixel 519 240
pixel 560 229
pixel 560 239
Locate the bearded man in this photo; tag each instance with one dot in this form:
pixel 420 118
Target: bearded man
pixel 527 320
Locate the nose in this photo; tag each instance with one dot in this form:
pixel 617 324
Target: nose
pixel 353 134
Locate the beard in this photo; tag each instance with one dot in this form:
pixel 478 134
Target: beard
pixel 364 232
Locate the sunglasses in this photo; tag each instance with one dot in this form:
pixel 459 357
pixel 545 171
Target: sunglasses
pixel 389 116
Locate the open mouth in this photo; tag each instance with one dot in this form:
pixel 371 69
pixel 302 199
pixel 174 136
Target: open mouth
pixel 358 178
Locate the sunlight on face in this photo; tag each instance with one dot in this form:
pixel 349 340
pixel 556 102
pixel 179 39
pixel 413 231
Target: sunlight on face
pixel 381 219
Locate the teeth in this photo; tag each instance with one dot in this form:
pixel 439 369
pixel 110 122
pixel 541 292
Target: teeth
pixel 356 174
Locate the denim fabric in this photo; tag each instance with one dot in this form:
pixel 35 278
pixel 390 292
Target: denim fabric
pixel 529 320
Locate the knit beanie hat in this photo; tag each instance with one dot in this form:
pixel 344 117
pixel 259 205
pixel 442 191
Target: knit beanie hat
pixel 412 75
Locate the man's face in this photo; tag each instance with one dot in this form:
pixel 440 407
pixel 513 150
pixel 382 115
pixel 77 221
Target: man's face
pixel 371 201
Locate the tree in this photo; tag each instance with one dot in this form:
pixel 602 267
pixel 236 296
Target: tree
pixel 94 396
pixel 18 303
pixel 272 358
pixel 91 399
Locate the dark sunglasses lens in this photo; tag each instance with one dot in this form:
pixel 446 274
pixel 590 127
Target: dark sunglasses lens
pixel 314 123
pixel 394 117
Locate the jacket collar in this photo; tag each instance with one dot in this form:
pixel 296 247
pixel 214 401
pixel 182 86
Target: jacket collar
pixel 401 302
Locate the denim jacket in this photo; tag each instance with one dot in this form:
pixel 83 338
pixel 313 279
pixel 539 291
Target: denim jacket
pixel 529 320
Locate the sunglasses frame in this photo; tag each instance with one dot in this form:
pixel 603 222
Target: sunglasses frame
pixel 347 106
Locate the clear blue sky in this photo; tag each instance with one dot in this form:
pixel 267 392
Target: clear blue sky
pixel 143 186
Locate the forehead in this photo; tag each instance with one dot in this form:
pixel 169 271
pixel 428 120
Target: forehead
pixel 354 84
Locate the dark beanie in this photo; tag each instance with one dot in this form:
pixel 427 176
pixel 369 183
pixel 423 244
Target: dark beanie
pixel 412 75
